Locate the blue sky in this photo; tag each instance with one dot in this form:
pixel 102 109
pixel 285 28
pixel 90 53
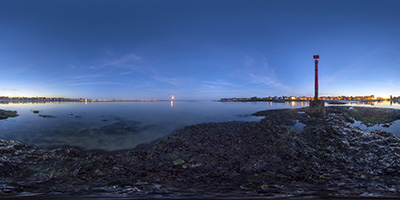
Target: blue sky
pixel 198 49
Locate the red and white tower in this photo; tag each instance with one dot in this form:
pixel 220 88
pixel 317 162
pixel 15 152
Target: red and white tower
pixel 317 107
pixel 316 57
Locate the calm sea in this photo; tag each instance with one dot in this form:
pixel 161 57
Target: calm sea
pixel 123 125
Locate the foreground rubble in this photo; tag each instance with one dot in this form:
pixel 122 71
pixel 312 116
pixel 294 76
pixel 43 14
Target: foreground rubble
pixel 327 158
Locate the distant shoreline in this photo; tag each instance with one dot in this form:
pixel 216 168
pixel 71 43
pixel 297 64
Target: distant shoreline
pixel 289 100
pixel 297 100
pixel 249 100
pixel 79 101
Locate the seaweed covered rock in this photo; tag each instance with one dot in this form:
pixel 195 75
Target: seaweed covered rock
pixel 4 114
pixel 216 152
pixel 373 116
pixel 340 157
pixel 329 157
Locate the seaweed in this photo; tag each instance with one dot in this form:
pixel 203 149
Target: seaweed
pixel 4 114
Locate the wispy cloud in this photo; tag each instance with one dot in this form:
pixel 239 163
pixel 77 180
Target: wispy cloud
pixel 249 61
pixel 369 56
pixel 125 73
pixel 17 89
pixel 391 82
pixel 109 68
pixel 171 81
pixel 259 72
pixel 97 83
pixel 338 76
pixel 392 85
pixel 28 90
pixel 89 76
pixel 219 84
pixel 9 89
pixel 75 80
pixel 73 66
pixel 127 61
pixel 270 81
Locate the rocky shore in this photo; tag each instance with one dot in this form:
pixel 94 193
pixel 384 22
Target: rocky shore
pixel 326 158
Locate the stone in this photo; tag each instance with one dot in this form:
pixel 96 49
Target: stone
pixel 317 107
pixel 4 114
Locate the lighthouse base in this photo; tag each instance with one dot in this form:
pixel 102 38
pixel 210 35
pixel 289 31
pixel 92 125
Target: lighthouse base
pixel 317 107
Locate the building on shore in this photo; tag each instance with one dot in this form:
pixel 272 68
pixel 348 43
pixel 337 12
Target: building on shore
pixel 304 98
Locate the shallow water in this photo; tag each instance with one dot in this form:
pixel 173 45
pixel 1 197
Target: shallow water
pixel 298 126
pixel 123 125
pixel 119 125
pixel 394 126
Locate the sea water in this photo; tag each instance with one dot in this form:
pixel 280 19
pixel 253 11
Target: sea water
pixel 118 125
pixel 123 125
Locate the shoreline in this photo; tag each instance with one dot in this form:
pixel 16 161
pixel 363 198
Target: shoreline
pixel 328 158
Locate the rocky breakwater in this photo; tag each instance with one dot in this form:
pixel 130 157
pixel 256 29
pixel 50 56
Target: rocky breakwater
pixel 328 157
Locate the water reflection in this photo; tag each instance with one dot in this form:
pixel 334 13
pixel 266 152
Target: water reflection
pixel 289 103
pixel 116 125
pixel 142 121
pixel 393 128
pixel 371 103
pixel 38 102
pixel 172 101
pixel 375 103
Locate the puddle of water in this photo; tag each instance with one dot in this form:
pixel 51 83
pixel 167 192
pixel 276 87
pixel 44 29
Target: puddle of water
pixel 298 127
pixel 393 128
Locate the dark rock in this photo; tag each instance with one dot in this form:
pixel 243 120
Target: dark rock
pixel 47 116
pixel 4 114
pixel 317 107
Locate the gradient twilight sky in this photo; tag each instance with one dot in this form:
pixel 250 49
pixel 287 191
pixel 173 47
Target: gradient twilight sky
pixel 198 49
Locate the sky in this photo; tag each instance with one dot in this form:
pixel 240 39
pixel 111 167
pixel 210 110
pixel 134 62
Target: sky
pixel 198 49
